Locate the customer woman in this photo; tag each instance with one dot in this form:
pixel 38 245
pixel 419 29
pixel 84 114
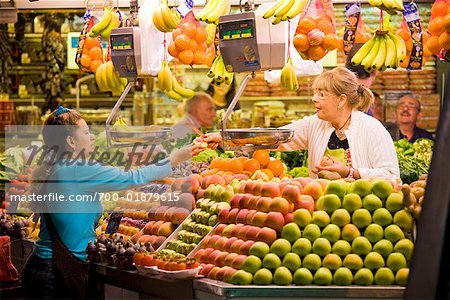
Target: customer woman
pixel 356 144
pixel 66 171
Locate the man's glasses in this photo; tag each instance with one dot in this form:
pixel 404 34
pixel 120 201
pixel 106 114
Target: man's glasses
pixel 406 106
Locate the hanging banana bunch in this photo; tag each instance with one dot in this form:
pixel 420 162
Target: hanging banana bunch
pixel 168 83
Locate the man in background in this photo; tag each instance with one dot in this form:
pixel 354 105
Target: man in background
pixel 200 112
pixel 407 114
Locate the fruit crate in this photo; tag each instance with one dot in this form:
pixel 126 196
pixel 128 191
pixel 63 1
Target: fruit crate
pixel 174 235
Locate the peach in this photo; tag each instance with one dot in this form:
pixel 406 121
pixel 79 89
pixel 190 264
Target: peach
pixel 227 230
pixel 244 200
pixel 236 229
pixel 205 241
pixel 240 177
pixel 220 260
pixel 249 187
pixel 257 188
pixel 179 215
pixel 229 259
pixel 323 183
pixel 232 215
pixel 148 227
pixel 274 220
pixel 229 273
pixel 279 204
pixel 249 217
pixel 270 189
pixel 243 232
pixel 155 227
pixel 167 217
pixel 212 257
pixel 267 235
pixel 204 257
pixel 221 274
pixel 238 261
pixel 200 194
pixel 235 201
pixel 166 229
pixel 223 215
pixel 241 187
pixel 306 202
pixel 245 247
pixel 228 177
pixel 144 239
pixel 151 213
pixel 158 242
pixel 252 203
pixel 236 245
pixel 212 241
pixel 252 233
pixel 213 273
pixel 206 269
pixel 263 204
pixel 229 243
pixel 221 243
pixel 159 213
pixel 291 193
pixel 240 218
pixel 259 219
pixel 288 218
pixel 303 181
pixel 134 239
pixel 219 229
pixel 199 254
pixel 314 189
pixel 212 179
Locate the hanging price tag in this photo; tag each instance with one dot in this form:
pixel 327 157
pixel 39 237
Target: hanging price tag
pixel 352 13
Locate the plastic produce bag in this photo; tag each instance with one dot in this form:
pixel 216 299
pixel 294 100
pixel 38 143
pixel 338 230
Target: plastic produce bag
pixel 316 31
pixel 89 50
pixel 439 28
pixel 189 42
pixel 416 52
pixel 152 40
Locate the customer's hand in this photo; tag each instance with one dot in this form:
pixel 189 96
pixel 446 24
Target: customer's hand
pixel 333 166
pixel 184 154
pixel 213 140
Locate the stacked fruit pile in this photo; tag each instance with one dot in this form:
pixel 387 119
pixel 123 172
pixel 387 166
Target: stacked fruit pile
pixel 306 231
pixel 92 56
pixel 165 260
pixel 439 28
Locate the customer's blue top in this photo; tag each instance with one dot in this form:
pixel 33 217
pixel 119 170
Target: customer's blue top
pixel 75 221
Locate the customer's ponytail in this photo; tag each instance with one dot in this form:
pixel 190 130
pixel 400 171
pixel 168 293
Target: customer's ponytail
pixel 366 98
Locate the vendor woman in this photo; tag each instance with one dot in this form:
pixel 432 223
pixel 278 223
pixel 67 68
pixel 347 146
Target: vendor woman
pixel 356 145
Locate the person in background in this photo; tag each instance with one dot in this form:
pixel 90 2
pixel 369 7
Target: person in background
pixel 407 114
pixel 223 94
pixel 340 137
pixel 200 112
pixel 364 78
pixel 377 107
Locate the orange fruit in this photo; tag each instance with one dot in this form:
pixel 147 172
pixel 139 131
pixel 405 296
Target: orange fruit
pixel 330 41
pixel 439 9
pixel 202 46
pixel 446 21
pixel 268 172
pixel 426 52
pixel 409 45
pixel 436 27
pixel 216 163
pixel 262 156
pixel 405 63
pixel 172 49
pixel 193 45
pixel 91 42
pixel 404 34
pixel 305 25
pixel 243 160
pixel 189 29
pixel 176 33
pixel 340 44
pixel 96 53
pixel 85 60
pixel 325 26
pixel 199 57
pixel 362 37
pixel 182 42
pixel 301 42
pixel 252 165
pixel 186 57
pixel 235 166
pixel 433 45
pixel 316 52
pixel 444 40
pixel 201 34
pixel 276 166
pixel 94 65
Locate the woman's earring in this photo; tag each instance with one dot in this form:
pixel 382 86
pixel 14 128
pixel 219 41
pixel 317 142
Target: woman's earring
pixel 339 107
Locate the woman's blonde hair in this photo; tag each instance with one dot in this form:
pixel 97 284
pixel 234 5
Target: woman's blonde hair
pixel 341 81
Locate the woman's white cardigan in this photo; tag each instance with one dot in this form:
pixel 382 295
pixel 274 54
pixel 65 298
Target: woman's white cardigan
pixel 371 147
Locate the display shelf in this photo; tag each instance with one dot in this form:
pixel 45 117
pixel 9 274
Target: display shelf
pixel 207 289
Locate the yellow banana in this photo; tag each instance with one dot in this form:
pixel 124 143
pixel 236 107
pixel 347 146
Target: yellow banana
pixel 211 30
pixel 389 4
pixel 363 51
pixel 222 8
pixel 367 61
pixel 399 46
pixel 398 4
pixel 285 73
pixel 109 75
pixel 162 77
pixel 271 11
pixel 380 58
pixel 173 95
pixel 284 9
pixel 99 78
pixel 391 53
pixel 115 23
pixel 208 9
pixel 183 92
pixel 104 22
pixel 276 21
pixel 296 9
pixel 158 20
pixel 376 3
pixel 168 16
